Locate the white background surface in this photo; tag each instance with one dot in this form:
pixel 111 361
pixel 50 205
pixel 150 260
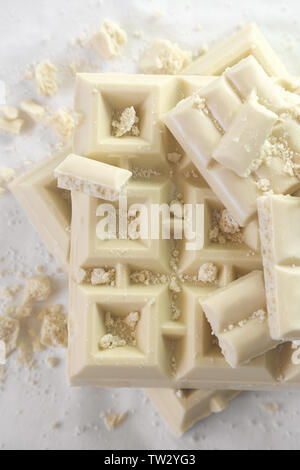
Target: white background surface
pixel 31 401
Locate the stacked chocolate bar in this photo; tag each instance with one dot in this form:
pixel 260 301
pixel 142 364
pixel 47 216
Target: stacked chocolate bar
pixel 153 215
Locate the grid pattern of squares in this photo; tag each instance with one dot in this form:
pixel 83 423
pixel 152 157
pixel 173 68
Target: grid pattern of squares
pixel 171 350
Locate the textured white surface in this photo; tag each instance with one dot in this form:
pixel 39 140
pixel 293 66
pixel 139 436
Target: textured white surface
pixel 31 402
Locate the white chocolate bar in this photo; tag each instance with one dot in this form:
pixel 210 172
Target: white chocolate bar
pixel 253 142
pixel 90 177
pixel 47 207
pixel 181 409
pixel 194 404
pixel 238 318
pixel 246 41
pixel 146 274
pixel 174 345
pixel 248 76
pixel 279 222
pixel 241 144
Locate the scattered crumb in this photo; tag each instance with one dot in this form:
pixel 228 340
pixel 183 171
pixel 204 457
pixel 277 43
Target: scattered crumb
pixel 144 173
pixel 9 333
pixel 110 341
pixel 174 157
pixel 132 319
pixel 148 277
pixel 164 57
pixel 45 74
pixel 37 289
pixel 10 113
pixel 208 273
pixel 40 269
pixel 25 355
pixel 227 223
pixel 113 420
pixel 101 276
pixel 191 173
pixel 54 330
pixel 120 331
pixel 10 292
pixel 174 286
pixel 199 102
pixel 56 425
pixel 224 228
pixel 20 311
pixel 271 407
pixel 53 361
pixel 108 41
pixel 33 109
pixel 62 123
pixel 6 176
pixel 125 123
pixel 263 184
pixel 260 315
pixel 11 127
pixel 174 259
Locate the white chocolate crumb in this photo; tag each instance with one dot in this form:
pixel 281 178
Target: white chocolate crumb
pixel 62 123
pixel 260 315
pixel 164 57
pixel 147 277
pixel 109 40
pixel 10 292
pixel 120 331
pixel 271 407
pixel 6 175
pixel 132 319
pixel 263 184
pixel 208 273
pixel 45 74
pixel 125 123
pixel 199 102
pixel 224 228
pixel 174 286
pixel 20 311
pixel 10 113
pixel 9 333
pixel 54 330
pixel 33 109
pixel 174 157
pixel 227 223
pixel 144 173
pixel 37 289
pixel 113 420
pixel 53 361
pixel 25 355
pixel 110 341
pixel 56 425
pixel 101 276
pixel 11 127
pixel 40 269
